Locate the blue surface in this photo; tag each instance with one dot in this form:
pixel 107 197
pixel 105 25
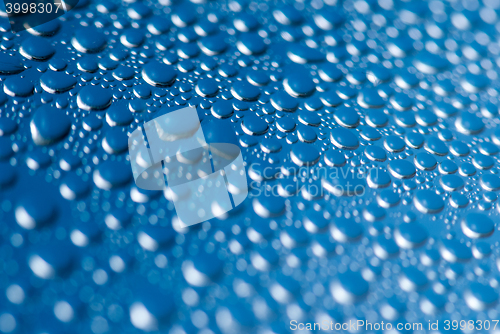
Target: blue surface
pixel 369 131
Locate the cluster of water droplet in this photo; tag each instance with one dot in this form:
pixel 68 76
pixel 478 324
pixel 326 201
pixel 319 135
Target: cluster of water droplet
pixel 374 121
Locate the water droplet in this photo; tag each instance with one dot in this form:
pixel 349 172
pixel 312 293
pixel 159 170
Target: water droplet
pixel 49 125
pixel 253 125
pixel 427 201
pixel 36 48
pixel 402 169
pixel 469 124
pixel 10 64
pixel 299 85
pixel 112 174
pixel 244 91
pixel 251 44
pixel 157 74
pixel 304 155
pixel 57 82
pixel 89 40
pixel 344 139
pixel 349 288
pixel 94 98
pixel 480 296
pixel 477 225
pixel 18 87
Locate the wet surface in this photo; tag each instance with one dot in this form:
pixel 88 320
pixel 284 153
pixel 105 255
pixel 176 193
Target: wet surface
pixel 369 135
